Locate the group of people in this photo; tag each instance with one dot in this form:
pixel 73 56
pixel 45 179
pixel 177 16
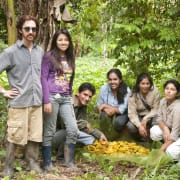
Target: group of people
pixel 142 112
pixel 41 107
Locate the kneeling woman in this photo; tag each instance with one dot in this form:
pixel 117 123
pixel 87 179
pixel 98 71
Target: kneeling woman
pixel 142 106
pixel 168 128
pixel 113 100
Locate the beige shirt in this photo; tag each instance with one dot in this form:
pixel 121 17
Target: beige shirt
pixel 136 107
pixel 170 115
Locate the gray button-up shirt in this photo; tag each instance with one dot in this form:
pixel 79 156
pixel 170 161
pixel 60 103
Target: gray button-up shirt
pixel 23 70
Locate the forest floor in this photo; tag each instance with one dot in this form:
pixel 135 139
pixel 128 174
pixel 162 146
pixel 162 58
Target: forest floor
pixel 86 170
pixel 90 169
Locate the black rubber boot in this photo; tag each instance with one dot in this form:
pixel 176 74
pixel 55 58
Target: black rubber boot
pixel 46 152
pixel 31 156
pixel 9 161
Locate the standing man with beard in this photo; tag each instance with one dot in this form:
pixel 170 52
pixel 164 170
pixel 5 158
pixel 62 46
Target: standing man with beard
pixel 22 63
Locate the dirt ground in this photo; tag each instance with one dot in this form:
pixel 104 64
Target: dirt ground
pixel 85 167
pixel 90 168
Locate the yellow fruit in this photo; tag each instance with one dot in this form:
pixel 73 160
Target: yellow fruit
pixel 104 147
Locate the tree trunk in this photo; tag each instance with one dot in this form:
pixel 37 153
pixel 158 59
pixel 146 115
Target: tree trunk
pixel 11 22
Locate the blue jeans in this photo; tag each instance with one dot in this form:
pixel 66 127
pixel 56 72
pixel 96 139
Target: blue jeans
pixel 85 138
pixel 63 106
pixel 60 137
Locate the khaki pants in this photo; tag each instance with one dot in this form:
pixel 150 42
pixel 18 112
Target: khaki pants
pixel 24 124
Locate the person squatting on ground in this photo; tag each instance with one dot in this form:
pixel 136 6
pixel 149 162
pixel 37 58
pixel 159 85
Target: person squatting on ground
pixel 112 101
pixel 58 68
pixel 168 120
pixel 143 106
pixel 87 134
pixel 22 63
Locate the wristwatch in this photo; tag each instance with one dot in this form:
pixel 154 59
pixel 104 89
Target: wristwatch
pixel 3 91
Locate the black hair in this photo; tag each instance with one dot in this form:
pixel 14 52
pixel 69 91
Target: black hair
pixel 174 82
pixel 69 52
pixel 87 86
pixel 22 20
pixel 122 90
pixel 140 77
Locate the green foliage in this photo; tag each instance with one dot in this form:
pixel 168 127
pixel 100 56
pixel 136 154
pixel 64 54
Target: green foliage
pixel 2 45
pixel 2 153
pixel 146 33
pixel 170 171
pixel 88 35
pixel 142 35
pixel 3 29
pixel 156 165
pixel 3 77
pixel 3 116
pixel 93 70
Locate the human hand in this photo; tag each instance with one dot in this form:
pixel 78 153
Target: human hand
pixel 101 107
pixel 11 93
pixel 103 138
pixel 144 123
pixel 89 128
pixel 109 111
pixel 48 108
pixel 142 131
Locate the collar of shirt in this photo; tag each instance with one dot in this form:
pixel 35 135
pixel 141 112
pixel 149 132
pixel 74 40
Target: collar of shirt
pixel 164 103
pixel 20 44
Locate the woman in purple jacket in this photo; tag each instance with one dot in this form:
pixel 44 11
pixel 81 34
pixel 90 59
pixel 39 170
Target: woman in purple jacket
pixel 57 75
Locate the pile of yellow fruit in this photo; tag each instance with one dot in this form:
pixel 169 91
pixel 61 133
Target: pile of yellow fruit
pixel 124 147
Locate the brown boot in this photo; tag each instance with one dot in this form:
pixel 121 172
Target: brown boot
pixel 9 161
pixel 31 156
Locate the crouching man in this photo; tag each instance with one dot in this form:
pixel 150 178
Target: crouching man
pixel 87 134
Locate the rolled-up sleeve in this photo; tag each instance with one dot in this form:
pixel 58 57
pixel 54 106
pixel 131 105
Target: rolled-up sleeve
pixel 160 111
pixel 132 111
pixel 123 107
pixel 175 131
pixel 5 61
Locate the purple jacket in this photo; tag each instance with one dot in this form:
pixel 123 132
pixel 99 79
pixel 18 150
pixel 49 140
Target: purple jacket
pixel 52 82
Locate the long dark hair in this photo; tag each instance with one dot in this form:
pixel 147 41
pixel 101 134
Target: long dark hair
pixel 56 53
pixel 122 90
pixel 22 20
pixel 175 83
pixel 140 77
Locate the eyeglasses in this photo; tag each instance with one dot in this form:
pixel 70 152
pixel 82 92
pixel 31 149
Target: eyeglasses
pixel 27 29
